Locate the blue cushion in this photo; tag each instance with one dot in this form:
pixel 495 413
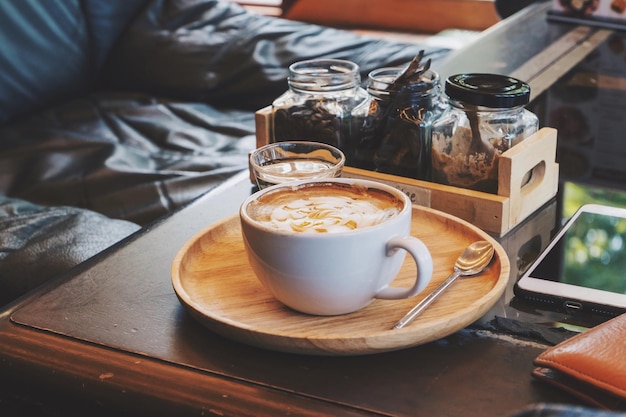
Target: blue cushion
pixel 43 53
pixel 51 50
pixel 107 19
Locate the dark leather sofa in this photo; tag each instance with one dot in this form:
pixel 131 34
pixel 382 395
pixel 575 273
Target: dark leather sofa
pixel 113 113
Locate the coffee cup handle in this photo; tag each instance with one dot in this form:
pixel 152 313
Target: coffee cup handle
pixel 423 260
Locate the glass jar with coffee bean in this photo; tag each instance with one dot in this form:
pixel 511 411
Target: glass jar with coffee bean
pixel 323 98
pixel 396 132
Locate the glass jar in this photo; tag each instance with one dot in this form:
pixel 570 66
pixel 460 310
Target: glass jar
pixel 323 98
pixel 396 133
pixel 486 117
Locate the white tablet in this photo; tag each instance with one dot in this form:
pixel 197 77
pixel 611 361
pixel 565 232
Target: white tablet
pixel 584 266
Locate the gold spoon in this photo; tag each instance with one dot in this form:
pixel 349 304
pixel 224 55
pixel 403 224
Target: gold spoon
pixel 472 261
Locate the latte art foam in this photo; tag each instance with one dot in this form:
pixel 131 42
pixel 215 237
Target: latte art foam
pixel 324 208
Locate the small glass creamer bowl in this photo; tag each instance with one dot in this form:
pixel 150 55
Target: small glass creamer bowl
pixel 282 162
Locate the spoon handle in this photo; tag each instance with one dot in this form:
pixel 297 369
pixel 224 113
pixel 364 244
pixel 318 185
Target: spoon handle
pixel 421 306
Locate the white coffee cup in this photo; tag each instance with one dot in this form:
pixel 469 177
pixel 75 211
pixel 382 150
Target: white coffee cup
pixel 332 268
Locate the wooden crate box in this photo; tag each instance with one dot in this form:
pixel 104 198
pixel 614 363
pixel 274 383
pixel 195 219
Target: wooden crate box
pixel 528 177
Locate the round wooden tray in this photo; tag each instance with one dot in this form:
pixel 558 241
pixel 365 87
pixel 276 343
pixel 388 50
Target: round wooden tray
pixel 213 280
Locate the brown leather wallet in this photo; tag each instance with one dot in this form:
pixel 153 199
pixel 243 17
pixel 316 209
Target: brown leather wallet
pixel 590 365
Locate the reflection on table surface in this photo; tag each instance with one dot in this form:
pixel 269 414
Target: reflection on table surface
pixel 587 107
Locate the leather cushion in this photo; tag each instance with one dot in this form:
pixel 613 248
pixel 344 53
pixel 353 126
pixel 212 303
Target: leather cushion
pixel 51 50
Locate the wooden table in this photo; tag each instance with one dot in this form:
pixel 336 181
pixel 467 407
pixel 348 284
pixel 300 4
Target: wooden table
pixel 114 333
pixel 111 338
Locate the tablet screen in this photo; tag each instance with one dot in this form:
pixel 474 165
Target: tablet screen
pixel 590 254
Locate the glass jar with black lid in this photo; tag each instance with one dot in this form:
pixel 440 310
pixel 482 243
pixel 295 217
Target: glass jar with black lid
pixel 486 117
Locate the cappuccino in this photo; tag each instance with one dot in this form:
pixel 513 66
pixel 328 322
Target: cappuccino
pixel 332 246
pixel 324 207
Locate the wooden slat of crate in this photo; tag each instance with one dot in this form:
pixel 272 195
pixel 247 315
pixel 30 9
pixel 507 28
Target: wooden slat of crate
pixel 487 211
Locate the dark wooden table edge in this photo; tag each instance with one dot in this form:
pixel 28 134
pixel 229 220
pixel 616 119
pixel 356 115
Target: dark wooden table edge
pixel 133 383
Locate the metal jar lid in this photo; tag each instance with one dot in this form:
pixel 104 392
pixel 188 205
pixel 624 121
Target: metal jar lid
pixel 488 90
